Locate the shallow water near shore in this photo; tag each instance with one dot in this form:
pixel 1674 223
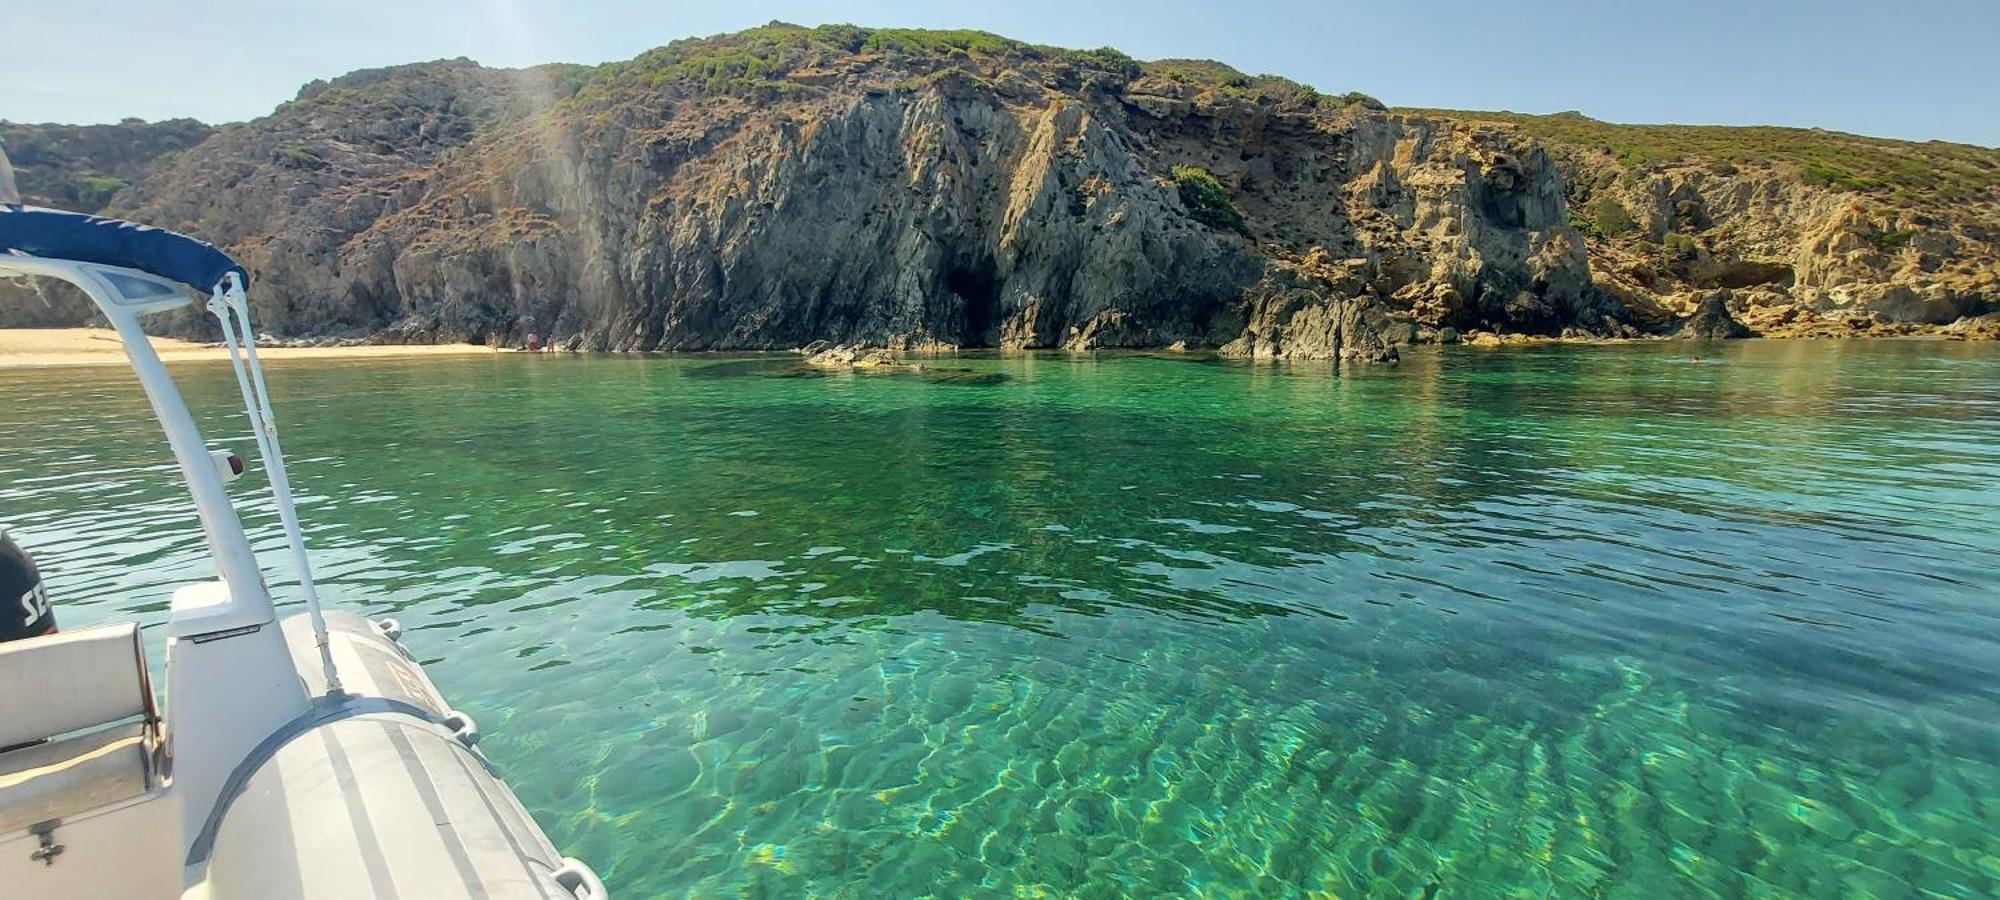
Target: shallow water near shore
pixel 1537 621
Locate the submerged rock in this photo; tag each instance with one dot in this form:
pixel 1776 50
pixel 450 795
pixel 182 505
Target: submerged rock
pixel 962 377
pixel 852 359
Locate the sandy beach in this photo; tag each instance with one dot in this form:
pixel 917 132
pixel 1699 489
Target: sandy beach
pixel 38 347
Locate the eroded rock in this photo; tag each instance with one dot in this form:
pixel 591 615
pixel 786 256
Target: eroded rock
pixel 1712 320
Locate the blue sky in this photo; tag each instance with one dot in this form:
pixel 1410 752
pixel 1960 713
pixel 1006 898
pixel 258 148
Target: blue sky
pixel 1918 69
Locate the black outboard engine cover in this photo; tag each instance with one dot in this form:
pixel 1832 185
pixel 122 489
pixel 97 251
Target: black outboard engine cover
pixel 24 608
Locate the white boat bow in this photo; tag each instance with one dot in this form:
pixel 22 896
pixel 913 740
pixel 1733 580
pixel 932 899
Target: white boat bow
pixel 311 757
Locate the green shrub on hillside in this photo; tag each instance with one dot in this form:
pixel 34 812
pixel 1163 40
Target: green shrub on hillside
pixel 96 190
pixel 1831 176
pixel 1356 98
pixel 917 40
pixel 1206 199
pixel 1604 218
pixel 1889 241
pixel 297 156
pixel 1199 72
pixel 1109 59
pixel 1677 249
pixel 850 38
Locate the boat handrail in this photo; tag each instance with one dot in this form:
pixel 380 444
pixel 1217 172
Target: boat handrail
pixel 232 310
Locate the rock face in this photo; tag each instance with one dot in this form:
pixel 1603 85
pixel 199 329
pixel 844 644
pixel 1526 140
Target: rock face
pixel 905 189
pixel 927 190
pixel 1801 255
pixel 1814 232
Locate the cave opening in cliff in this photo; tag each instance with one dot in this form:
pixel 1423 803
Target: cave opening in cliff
pixel 978 294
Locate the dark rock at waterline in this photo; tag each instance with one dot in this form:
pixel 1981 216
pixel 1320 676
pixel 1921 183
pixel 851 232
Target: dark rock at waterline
pixel 1712 322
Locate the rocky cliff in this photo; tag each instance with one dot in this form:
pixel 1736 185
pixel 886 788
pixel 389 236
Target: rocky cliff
pixel 1796 231
pixel 932 189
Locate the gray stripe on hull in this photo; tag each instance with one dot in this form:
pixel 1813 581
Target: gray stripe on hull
pixel 453 844
pixel 324 711
pixel 357 813
pixel 507 825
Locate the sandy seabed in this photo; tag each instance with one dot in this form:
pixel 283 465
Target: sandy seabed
pixel 36 347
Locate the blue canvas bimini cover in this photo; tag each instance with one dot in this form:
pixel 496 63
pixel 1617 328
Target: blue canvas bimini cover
pixel 55 234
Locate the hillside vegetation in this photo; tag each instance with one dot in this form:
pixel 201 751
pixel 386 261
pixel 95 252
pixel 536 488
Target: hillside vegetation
pixel 1927 172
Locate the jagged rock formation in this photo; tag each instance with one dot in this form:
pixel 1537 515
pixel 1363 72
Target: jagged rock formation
pixel 1711 320
pixel 926 190
pixel 1813 232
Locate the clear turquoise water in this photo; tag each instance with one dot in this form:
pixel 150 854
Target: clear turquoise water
pixel 1561 621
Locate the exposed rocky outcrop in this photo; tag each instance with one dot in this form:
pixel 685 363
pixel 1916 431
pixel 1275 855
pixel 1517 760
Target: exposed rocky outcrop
pixel 1712 322
pixel 1980 328
pixel 929 190
pixel 1800 255
pixel 855 359
pixel 1814 232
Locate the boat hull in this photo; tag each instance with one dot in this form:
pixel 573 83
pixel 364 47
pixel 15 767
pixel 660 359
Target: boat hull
pixel 381 792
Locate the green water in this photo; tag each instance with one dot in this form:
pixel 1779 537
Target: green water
pixel 1543 622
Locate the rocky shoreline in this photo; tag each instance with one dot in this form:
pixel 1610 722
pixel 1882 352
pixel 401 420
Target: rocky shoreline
pixel 913 190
